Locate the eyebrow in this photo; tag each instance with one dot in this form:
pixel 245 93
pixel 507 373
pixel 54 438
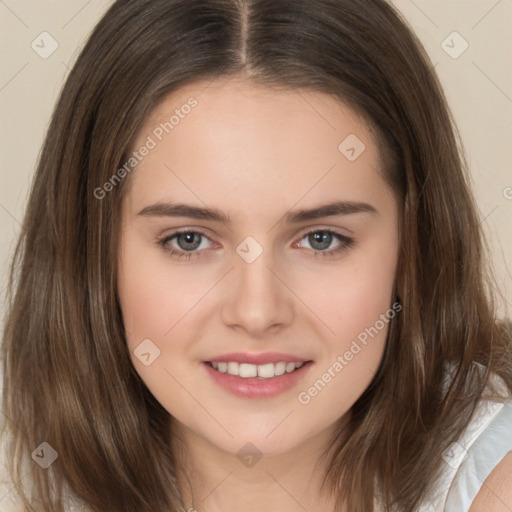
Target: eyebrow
pixel 292 217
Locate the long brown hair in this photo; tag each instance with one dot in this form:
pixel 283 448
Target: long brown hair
pixel 68 377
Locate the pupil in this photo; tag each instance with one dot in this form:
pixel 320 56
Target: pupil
pixel 321 240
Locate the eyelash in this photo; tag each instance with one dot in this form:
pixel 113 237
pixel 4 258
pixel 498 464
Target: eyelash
pixel 346 243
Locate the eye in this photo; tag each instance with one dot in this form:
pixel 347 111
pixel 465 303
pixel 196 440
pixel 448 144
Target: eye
pixel 184 244
pixel 321 241
pixel 188 244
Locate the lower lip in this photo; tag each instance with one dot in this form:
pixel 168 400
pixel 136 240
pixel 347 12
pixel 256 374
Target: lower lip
pixel 258 388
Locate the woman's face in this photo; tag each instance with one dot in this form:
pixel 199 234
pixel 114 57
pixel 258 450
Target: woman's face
pixel 258 233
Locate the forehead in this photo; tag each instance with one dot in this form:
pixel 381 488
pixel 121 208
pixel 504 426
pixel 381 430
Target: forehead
pixel 246 140
pixel 228 100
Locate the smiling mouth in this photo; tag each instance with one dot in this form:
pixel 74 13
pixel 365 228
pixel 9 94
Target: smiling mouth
pixel 256 371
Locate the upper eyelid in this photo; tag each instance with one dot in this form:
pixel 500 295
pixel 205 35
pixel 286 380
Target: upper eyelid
pixel 324 230
pixel 304 231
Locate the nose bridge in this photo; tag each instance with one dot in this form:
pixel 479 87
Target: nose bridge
pixel 257 300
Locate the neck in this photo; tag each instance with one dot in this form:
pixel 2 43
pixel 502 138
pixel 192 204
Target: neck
pixel 213 480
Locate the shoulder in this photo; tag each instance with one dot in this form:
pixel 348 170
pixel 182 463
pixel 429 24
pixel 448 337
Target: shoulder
pixel 479 462
pixel 495 494
pixel 481 475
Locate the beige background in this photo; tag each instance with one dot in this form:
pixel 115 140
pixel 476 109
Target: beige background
pixel 478 84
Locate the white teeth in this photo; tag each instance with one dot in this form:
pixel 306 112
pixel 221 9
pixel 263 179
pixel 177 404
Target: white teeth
pixel 290 367
pixel 262 371
pixel 279 368
pixel 266 371
pixel 247 370
pixel 233 368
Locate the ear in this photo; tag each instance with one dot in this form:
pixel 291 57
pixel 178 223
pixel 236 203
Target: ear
pixel 495 494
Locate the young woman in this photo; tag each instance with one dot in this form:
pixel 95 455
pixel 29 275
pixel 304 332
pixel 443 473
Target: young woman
pixel 251 275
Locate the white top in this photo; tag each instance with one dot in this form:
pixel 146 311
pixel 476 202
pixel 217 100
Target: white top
pixel 466 463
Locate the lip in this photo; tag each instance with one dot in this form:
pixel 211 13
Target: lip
pixel 261 358
pixel 255 387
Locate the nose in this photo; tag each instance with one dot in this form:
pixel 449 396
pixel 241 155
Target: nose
pixel 258 301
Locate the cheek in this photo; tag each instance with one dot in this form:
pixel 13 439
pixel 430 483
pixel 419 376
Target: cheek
pixel 356 303
pixel 359 313
pixel 153 300
pixel 152 304
pixel 366 295
pixel 148 306
pixel 351 296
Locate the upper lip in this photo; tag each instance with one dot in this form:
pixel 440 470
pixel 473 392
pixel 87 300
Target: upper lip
pixel 257 359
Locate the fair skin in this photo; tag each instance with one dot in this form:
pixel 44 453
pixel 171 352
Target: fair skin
pixel 257 155
pixel 495 494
